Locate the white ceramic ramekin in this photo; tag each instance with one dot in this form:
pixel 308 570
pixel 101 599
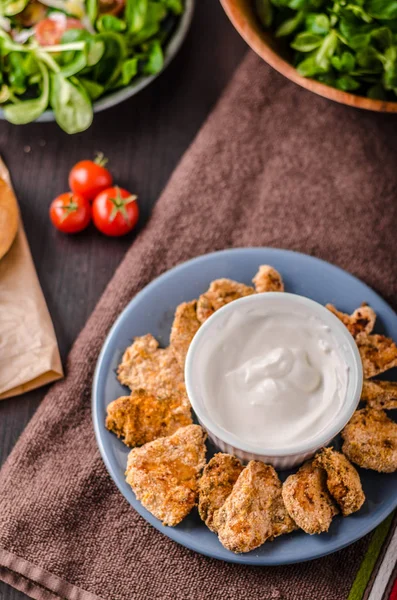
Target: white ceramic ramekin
pixel 226 441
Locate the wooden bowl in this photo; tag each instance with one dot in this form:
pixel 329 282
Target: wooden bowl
pixel 242 15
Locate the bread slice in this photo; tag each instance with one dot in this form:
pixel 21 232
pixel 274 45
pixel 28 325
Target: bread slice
pixel 9 217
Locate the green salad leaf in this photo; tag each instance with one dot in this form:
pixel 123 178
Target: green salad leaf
pixel 265 11
pixel 92 10
pixel 8 8
pixel 110 23
pixel 129 70
pixel 25 111
pixel 135 14
pixel 71 104
pixel 348 44
pixel 155 58
pixel 94 90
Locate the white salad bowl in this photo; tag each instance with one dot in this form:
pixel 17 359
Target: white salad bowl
pixel 195 379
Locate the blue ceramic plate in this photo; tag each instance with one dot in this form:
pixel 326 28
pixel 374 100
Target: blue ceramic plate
pixel 152 311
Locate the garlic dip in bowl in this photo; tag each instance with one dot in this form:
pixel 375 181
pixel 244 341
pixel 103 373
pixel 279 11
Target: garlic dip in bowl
pixel 273 377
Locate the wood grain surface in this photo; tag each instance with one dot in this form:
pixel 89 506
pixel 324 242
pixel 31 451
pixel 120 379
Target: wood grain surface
pixel 143 138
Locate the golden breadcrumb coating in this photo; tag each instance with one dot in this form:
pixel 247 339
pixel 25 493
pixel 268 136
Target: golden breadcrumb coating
pixel 183 330
pixel 378 354
pixel 254 511
pixel 220 293
pixel 142 417
pixel 307 499
pixel 370 440
pixel 164 474
pixel 146 366
pixel 343 481
pixel 216 484
pixel 268 279
pixel 380 394
pixel 362 320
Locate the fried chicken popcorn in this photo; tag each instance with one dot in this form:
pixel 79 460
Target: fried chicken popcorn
pixel 362 320
pixel 143 417
pixel 254 511
pixel 380 394
pixel 343 481
pixel 164 474
pixel 370 440
pixel 220 293
pixel 183 330
pixel 146 366
pixel 378 354
pixel 216 484
pixel 268 279
pixel 307 499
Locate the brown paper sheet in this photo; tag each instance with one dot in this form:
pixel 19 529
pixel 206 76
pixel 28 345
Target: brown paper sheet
pixel 29 355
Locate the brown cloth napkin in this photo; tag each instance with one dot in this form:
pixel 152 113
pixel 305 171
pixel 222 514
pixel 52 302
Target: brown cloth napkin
pixel 29 355
pixel 274 165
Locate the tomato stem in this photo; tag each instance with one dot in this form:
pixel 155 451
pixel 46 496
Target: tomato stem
pixel 100 159
pixel 119 205
pixel 70 207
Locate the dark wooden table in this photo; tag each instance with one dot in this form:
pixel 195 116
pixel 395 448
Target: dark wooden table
pixel 144 139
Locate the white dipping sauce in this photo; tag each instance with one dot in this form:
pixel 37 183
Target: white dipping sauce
pixel 274 379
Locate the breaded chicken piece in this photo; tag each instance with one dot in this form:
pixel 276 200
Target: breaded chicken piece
pixel 281 520
pixel 142 417
pixel 268 279
pixel 216 484
pixel 370 440
pixel 164 474
pixel 254 511
pixel 220 293
pixel 307 499
pixel 343 481
pixel 146 366
pixel 380 394
pixel 183 330
pixel 378 354
pixel 362 320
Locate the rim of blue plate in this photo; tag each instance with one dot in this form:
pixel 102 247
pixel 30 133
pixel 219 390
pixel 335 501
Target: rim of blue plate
pixel 173 533
pixel 140 83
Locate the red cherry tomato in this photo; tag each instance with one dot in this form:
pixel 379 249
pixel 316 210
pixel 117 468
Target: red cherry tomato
pixel 50 31
pixel 70 212
pixel 115 211
pixel 89 177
